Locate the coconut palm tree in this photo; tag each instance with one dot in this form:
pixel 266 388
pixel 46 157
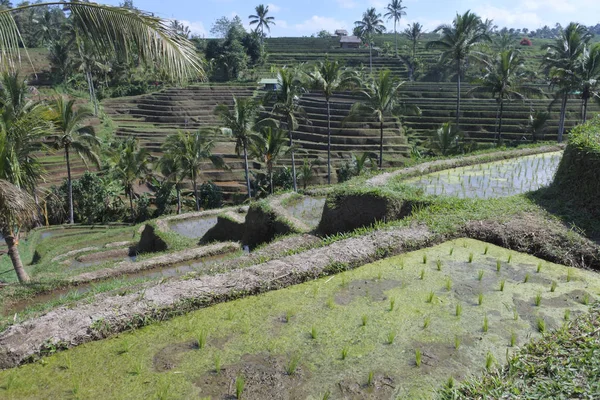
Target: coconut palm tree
pixel 445 140
pixel 504 78
pixel 113 32
pixel 414 32
pixel 17 210
pixel 240 122
pixel 588 73
pixel 267 147
pixel 129 163
pixel 327 77
pixel 371 24
pixel 395 11
pixel 457 43
pixel 287 106
pixel 381 101
pixel 187 152
pixel 72 135
pixel 261 20
pixel 561 62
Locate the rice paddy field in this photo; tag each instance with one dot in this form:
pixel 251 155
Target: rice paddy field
pixel 401 327
pixel 495 179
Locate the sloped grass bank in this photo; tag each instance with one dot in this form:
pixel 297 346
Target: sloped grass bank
pixel 564 364
pixel 398 327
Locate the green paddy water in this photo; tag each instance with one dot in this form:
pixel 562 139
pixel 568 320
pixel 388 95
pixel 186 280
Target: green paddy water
pixel 290 343
pixel 495 179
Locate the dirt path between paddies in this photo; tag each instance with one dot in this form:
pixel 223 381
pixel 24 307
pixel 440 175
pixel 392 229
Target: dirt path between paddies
pixel 439 165
pixel 108 314
pixel 129 267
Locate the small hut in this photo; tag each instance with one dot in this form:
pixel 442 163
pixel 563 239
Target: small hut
pixel 350 42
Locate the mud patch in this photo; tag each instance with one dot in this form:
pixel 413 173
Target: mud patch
pixel 169 357
pixel 382 387
pixel 365 288
pixel 264 375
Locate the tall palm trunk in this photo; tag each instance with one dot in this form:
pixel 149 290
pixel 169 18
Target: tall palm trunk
pixel 246 170
pixel 396 37
pixel 371 57
pixel 92 91
pixel 380 144
pixel 178 199
pixel 13 253
pixel 131 210
pixel 500 121
pixel 270 168
pixel 584 110
pixel 69 186
pixel 458 95
pixel 561 121
pixel 195 184
pixel 293 158
pixel 328 142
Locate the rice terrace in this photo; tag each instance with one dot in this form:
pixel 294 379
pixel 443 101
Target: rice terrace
pixel 388 212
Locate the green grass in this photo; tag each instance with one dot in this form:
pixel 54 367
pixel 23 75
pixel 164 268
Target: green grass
pixel 257 328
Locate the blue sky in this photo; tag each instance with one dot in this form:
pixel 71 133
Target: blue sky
pixel 305 17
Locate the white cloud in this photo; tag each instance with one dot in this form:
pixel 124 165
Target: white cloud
pixel 317 23
pixel 273 8
pixel 560 6
pixel 196 27
pixel 509 18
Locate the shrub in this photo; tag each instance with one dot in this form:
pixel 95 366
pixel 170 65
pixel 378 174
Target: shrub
pixel 525 42
pixel 211 196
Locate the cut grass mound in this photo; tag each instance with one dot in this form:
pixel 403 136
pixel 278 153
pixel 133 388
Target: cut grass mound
pixel 577 180
pixel 562 365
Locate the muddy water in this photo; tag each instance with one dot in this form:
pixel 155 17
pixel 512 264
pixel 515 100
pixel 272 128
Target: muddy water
pixel 194 228
pixel 490 180
pixel 171 271
pixel 307 210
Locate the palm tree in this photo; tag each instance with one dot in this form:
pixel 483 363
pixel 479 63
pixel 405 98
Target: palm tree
pixel 240 122
pixel 588 73
pixel 129 164
pixel 187 152
pixel 537 124
pixel 414 32
pixel 328 77
pixel 370 24
pixel 287 106
pixel 306 172
pixel 504 78
pixel 73 135
pixel 395 11
pixel 113 32
pixel 267 147
pixel 381 100
pixel 561 63
pixel 261 20
pixel 16 210
pixel 457 44
pixel 445 140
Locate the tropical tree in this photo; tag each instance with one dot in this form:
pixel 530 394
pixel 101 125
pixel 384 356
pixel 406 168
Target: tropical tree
pixel 113 32
pixel 129 163
pixel 17 210
pixel 172 171
pixel 561 62
pixel 72 135
pixel 537 124
pixel 307 172
pixel 504 78
pixel 588 73
pixel 371 24
pixel 445 140
pixel 287 106
pixel 395 11
pixel 240 122
pixel 327 77
pixel 261 20
pixel 267 147
pixel 381 100
pixel 414 32
pixel 186 153
pixel 457 43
